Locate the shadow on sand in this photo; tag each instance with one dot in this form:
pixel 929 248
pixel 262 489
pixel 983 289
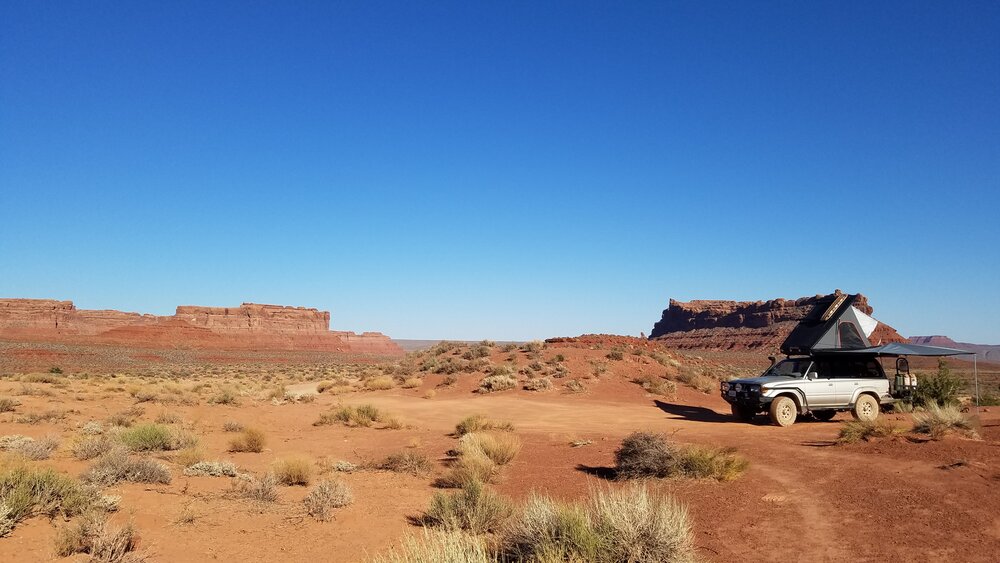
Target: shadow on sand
pixel 606 473
pixel 691 412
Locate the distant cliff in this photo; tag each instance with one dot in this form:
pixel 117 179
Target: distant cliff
pixel 746 325
pixel 984 352
pixel 249 326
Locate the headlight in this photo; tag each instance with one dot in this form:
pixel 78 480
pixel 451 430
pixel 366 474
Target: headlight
pixel 725 386
pixel 739 386
pixel 753 388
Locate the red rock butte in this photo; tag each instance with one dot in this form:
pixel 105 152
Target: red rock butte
pixel 250 326
pixel 747 325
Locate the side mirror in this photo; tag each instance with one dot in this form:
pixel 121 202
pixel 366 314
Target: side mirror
pixel 812 375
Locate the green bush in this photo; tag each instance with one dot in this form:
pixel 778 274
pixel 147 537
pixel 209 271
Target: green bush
pixel 644 454
pixel 147 437
pixel 474 508
pixel 941 388
pixel 26 491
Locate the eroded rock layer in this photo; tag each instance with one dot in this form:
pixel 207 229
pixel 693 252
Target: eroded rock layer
pixel 746 325
pixel 250 326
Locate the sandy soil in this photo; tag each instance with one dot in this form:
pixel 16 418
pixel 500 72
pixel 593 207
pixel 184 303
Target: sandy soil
pixel 803 498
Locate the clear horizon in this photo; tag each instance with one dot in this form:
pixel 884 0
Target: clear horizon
pixel 512 172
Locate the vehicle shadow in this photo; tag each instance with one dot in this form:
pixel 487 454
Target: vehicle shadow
pixel 691 412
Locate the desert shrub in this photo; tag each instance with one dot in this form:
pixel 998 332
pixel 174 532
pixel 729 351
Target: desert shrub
pixel 90 534
pixel 938 421
pixel 323 386
pixel 639 527
pixel 985 400
pixel 534 346
pixel 326 496
pixel 941 388
pixel 656 385
pixel 474 508
pixel 89 448
pixel 412 382
pixel 211 469
pixel 539 384
pixel 616 355
pixel 546 530
pixel 500 448
pixel 438 546
pixel 146 437
pixel 448 381
pixel 852 431
pixel 643 454
pixel 494 383
pixel 292 471
pixel 414 463
pixel 168 418
pixel 575 386
pixel 232 426
pixel 55 370
pixel 380 383
pixel 188 456
pixel 30 448
pixel 26 492
pixel 697 380
pixel 225 396
pixel 259 489
pixel 249 440
pixel 40 378
pixel 8 405
pixel 478 423
pixel 51 415
pixel 469 467
pixel 116 466
pixel 360 415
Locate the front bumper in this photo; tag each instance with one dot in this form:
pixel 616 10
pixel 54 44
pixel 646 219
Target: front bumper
pixel 747 399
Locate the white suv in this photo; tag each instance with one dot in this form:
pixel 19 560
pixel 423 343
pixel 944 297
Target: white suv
pixel 820 385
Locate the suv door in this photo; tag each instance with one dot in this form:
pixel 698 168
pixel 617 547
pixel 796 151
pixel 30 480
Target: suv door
pixel 851 374
pixel 821 390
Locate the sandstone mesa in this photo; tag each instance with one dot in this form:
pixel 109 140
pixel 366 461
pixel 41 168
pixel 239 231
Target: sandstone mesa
pixel 250 326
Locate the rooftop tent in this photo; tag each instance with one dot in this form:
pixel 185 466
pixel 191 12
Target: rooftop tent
pixel 834 324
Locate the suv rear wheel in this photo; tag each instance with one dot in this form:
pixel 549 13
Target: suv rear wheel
pixel 783 411
pixel 741 413
pixel 866 408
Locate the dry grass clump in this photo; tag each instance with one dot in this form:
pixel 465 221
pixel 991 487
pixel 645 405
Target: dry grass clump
pixel 364 415
pixel 468 468
pixel 232 426
pixel 211 469
pixel 292 471
pixel 52 415
pixel 91 535
pixel 439 546
pixel 30 448
pixel 479 423
pixel 643 454
pixel 249 440
pixel 147 437
pixel 575 386
pixel 168 418
pixel 258 489
pixel 188 456
pixel 500 448
pixel 657 385
pixel 474 508
pixel 8 405
pixel 326 496
pixel 938 421
pixel 538 384
pixel 495 383
pixel 380 383
pixel 412 383
pixel 414 463
pixel 627 524
pixel 852 431
pixel 26 491
pixel 116 466
pixel 225 396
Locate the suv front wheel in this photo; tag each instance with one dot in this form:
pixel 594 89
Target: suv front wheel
pixel 866 408
pixel 783 411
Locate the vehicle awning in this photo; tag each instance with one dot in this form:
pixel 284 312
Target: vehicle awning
pixel 895 349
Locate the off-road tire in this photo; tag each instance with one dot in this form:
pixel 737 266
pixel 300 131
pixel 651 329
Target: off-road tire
pixel 783 411
pixel 866 408
pixel 741 414
pixel 824 416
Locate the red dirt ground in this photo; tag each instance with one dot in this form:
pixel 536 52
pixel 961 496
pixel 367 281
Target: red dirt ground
pixel 803 498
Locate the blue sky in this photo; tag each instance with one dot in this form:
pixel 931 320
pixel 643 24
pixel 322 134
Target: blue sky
pixel 506 170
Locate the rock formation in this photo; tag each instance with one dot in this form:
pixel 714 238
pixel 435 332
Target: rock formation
pixel 250 326
pixel 746 325
pixel 984 352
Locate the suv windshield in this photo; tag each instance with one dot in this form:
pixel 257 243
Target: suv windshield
pixel 789 368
